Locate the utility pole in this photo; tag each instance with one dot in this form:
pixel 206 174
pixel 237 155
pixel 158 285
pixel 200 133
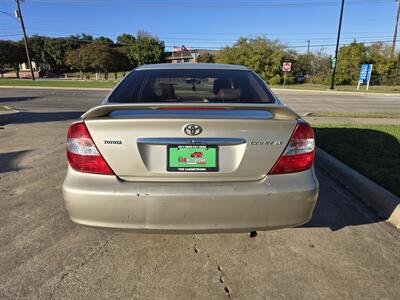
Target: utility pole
pixel 308 56
pixel 395 30
pixel 25 38
pixel 337 47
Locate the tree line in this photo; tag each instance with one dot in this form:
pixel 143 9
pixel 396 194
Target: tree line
pixel 265 57
pixel 83 53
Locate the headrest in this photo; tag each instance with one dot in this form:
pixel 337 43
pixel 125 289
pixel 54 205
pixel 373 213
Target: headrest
pixel 221 84
pixel 229 94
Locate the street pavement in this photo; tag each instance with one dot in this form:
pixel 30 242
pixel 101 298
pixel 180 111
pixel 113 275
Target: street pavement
pixel 313 101
pixel 345 252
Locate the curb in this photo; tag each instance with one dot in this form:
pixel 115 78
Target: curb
pixel 8 117
pixel 54 88
pixel 381 200
pixel 334 92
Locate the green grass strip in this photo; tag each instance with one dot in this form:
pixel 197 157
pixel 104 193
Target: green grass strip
pixel 372 150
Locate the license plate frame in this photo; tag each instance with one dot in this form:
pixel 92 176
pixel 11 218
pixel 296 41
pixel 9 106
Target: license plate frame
pixel 213 166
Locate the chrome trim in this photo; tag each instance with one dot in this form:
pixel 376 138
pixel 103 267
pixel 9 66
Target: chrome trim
pixel 191 141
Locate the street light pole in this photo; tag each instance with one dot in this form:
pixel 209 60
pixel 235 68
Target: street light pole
pixel 25 39
pixel 337 47
pixel 395 30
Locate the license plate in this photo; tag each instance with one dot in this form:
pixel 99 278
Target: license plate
pixel 192 158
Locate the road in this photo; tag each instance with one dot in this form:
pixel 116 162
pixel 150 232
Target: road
pixel 314 101
pixel 346 251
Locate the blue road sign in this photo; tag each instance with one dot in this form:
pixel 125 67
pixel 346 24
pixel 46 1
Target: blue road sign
pixel 365 73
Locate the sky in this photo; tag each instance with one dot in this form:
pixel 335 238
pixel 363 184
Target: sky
pixel 209 24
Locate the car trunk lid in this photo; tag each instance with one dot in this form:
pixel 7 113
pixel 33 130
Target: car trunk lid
pixel 135 139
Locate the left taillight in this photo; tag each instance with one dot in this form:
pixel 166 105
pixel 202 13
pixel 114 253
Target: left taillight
pixel 299 153
pixel 82 153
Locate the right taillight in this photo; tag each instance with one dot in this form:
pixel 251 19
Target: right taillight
pixel 82 153
pixel 299 153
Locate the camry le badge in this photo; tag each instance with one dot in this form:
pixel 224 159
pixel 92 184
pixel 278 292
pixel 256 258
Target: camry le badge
pixel 266 143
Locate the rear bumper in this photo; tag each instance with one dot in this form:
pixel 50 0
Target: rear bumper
pixel 105 201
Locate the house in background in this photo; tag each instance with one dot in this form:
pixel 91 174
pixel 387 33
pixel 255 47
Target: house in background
pixel 186 55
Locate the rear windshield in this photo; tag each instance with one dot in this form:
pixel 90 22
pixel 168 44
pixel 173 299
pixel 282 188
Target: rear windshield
pixel 219 86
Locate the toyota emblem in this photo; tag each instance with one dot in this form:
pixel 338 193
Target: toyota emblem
pixel 193 129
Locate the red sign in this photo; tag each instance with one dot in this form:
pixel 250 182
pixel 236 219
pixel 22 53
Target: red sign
pixel 286 66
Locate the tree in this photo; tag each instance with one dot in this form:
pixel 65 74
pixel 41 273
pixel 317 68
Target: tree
pixel 393 76
pixel 119 61
pixel 52 52
pixel 378 54
pixel 206 58
pixel 79 59
pixel 104 40
pixel 259 54
pixel 147 49
pixel 11 55
pixel 55 50
pixel 36 45
pixel 320 68
pixel 126 39
pixel 349 60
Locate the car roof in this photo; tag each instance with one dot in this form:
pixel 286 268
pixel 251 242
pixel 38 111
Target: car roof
pixel 192 66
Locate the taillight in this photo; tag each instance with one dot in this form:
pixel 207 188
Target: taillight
pixel 82 153
pixel 299 153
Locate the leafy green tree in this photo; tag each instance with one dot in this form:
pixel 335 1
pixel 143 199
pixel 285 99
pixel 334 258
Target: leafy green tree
pixel 393 76
pixel 350 58
pixel 11 55
pixel 260 54
pixel 378 54
pixel 6 48
pixel 320 71
pixel 36 45
pixel 119 61
pixel 79 59
pixel 126 39
pixel 206 58
pixel 55 51
pixel 147 49
pixel 103 40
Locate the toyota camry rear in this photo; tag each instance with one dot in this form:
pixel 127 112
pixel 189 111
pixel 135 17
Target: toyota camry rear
pixel 191 147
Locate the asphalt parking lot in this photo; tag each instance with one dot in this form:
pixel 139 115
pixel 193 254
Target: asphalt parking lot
pixel 346 251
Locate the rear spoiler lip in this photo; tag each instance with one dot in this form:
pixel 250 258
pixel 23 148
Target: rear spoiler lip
pixel 279 111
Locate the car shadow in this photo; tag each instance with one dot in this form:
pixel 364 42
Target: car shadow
pixel 337 207
pixel 39 117
pixel 368 151
pixel 9 161
pixel 16 99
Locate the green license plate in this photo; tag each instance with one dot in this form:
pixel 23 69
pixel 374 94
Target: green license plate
pixel 192 158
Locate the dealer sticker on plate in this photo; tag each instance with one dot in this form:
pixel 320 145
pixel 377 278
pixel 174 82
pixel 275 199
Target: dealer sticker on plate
pixel 192 158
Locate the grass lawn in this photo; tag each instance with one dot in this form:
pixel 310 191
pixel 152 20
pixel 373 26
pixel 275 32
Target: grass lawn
pixel 374 115
pixel 373 150
pixel 58 83
pixel 348 88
